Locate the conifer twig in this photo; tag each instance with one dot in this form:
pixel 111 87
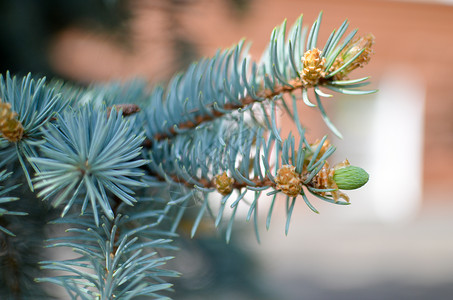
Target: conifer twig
pixel 244 102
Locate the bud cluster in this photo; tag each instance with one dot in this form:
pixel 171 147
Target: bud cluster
pixel 342 176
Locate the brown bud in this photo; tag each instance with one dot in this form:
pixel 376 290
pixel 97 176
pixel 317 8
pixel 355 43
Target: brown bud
pixel 10 128
pixel 288 181
pixel 313 66
pixel 323 149
pixel 223 183
pixel 364 43
pixel 127 109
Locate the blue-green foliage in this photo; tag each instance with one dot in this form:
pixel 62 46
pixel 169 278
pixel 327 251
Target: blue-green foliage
pixel 242 150
pixel 219 116
pixel 219 85
pixel 114 261
pixel 35 105
pixel 88 154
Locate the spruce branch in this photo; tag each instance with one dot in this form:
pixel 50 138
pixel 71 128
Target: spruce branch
pixel 110 265
pixel 220 158
pixel 243 103
pixel 230 81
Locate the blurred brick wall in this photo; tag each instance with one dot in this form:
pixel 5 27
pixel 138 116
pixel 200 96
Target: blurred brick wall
pixel 409 34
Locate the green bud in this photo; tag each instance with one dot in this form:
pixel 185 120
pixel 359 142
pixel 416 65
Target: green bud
pixel 350 177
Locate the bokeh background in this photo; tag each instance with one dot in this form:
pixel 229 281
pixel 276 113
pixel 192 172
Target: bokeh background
pixel 396 239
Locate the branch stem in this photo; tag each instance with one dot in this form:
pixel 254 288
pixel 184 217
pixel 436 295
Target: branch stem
pixel 244 102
